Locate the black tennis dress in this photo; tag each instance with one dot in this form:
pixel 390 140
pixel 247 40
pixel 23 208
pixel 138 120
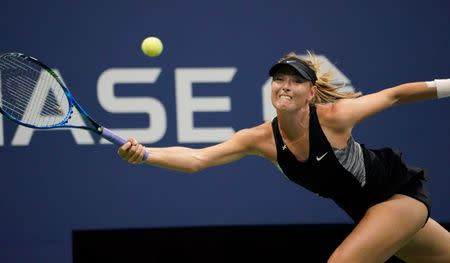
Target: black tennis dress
pixel 385 173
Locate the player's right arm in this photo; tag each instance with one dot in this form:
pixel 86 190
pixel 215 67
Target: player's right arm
pixel 184 159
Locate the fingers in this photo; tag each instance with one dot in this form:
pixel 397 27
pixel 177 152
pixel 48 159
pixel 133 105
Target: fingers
pixel 133 141
pixel 137 155
pixel 127 145
pixel 132 151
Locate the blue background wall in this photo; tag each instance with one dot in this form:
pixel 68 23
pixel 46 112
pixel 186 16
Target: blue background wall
pixel 52 185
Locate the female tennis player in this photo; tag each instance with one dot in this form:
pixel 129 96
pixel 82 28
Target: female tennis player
pixel 311 141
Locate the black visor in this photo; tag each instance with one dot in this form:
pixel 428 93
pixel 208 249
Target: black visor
pixel 301 67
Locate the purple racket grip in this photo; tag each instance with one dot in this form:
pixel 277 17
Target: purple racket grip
pixel 117 140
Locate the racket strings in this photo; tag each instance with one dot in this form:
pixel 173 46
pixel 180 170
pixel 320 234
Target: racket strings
pixel 30 94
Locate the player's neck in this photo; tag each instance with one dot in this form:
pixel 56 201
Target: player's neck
pixel 294 125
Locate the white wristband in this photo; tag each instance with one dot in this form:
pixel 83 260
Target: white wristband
pixel 442 87
pixel 431 84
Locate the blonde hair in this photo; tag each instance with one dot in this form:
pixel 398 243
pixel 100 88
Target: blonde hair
pixel 326 92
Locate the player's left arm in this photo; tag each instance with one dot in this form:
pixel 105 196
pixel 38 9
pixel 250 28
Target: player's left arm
pixel 349 112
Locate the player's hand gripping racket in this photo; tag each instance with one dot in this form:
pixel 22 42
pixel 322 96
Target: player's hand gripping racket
pixel 31 94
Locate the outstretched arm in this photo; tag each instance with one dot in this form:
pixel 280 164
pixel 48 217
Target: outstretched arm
pixel 186 159
pixel 349 112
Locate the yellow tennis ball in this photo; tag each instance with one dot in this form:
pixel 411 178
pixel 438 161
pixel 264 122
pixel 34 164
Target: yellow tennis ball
pixel 152 46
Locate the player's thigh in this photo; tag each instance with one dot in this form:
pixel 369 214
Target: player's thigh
pixel 429 245
pixel 384 229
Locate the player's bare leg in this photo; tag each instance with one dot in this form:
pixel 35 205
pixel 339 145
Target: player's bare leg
pixel 385 228
pixel 430 245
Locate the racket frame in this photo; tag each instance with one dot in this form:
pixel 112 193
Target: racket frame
pixel 72 102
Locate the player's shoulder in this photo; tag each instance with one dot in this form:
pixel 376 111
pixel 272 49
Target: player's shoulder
pixel 335 114
pixel 327 111
pixel 259 132
pixel 258 140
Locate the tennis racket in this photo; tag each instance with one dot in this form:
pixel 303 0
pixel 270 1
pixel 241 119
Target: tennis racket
pixel 31 94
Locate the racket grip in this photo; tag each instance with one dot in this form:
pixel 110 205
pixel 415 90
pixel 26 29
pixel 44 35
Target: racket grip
pixel 117 140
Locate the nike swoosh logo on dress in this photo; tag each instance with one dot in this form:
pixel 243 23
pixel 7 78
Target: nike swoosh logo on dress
pixel 321 157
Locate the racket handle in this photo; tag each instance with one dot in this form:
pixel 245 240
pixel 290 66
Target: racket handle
pixel 117 140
